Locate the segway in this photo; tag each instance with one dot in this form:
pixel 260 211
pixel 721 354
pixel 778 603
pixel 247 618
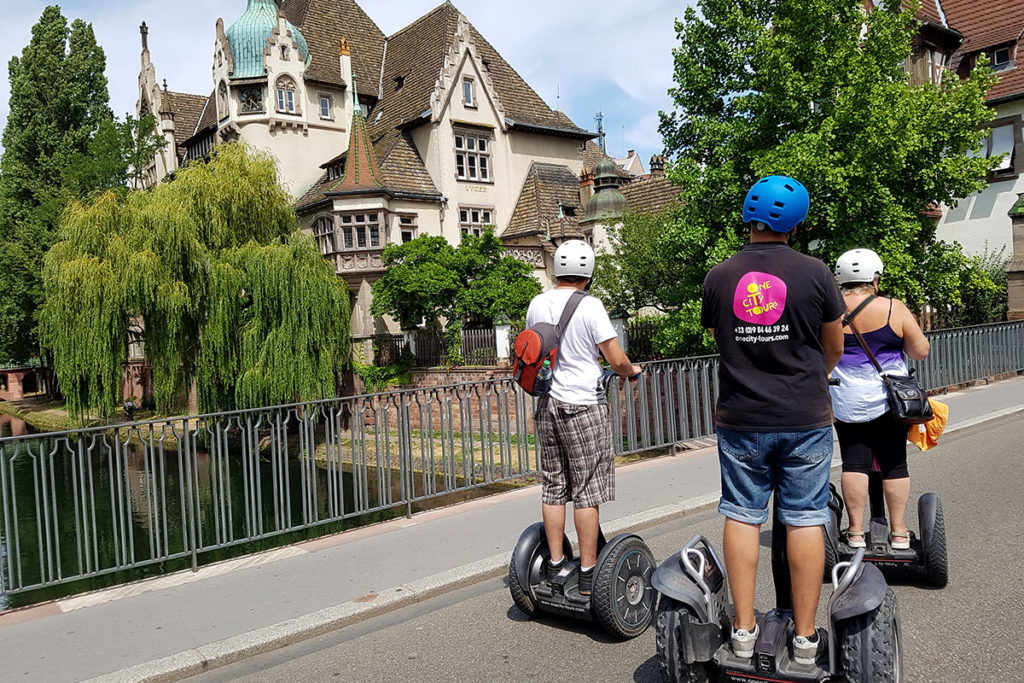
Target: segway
pixel 622 599
pixel 694 620
pixel 926 557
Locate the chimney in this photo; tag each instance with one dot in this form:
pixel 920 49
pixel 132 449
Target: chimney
pixel 657 166
pixel 630 153
pixel 345 60
pixel 144 32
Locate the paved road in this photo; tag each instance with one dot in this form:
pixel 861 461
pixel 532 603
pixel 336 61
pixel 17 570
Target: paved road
pixel 970 631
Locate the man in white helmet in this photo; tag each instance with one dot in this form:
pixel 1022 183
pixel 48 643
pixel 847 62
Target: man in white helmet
pixel 572 422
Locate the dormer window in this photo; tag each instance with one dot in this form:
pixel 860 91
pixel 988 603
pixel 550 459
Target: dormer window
pixel 1001 58
pixel 286 95
pixel 335 171
pixel 399 82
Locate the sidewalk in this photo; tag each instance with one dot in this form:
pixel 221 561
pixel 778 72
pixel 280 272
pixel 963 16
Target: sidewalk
pixel 179 625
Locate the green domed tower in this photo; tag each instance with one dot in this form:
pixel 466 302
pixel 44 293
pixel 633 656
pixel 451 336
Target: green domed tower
pixel 607 202
pixel 248 38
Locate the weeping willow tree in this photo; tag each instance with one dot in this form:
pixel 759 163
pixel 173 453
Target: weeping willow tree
pixel 231 297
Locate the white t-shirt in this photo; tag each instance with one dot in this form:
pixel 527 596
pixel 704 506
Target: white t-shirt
pixel 577 373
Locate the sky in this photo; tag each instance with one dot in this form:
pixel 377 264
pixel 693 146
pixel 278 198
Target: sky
pixel 580 56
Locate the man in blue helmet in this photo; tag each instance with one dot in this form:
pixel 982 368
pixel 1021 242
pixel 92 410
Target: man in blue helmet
pixel 776 316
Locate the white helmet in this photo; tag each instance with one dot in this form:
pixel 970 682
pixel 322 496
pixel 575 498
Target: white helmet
pixel 574 257
pixel 858 265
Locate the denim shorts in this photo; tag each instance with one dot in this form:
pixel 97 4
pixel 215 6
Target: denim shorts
pixel 795 465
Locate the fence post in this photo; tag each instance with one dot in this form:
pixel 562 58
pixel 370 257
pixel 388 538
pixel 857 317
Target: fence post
pixel 502 340
pixel 619 320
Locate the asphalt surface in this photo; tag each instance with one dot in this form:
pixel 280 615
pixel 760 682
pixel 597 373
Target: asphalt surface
pixel 969 631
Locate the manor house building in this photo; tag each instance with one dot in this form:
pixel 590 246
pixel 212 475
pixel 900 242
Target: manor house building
pixel 381 139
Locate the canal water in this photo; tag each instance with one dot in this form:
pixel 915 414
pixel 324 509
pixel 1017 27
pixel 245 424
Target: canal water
pixel 128 494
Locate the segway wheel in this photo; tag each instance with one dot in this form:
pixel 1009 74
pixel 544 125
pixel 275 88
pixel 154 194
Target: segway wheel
pixel 871 645
pixel 831 532
pixel 522 596
pixel 668 640
pixel 933 541
pixel 623 598
pixel 521 587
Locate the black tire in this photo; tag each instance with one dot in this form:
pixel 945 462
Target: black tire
pixel 934 548
pixel 522 596
pixel 871 645
pixel 623 597
pixel 520 586
pixel 667 639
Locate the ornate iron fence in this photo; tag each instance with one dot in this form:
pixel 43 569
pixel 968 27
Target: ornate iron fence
pixel 96 501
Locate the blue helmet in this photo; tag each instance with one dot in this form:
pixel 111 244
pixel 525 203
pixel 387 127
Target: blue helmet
pixel 778 201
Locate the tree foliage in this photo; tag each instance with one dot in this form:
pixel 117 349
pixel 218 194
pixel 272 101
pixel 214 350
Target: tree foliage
pixel 815 89
pixel 429 279
pixel 229 295
pixel 60 142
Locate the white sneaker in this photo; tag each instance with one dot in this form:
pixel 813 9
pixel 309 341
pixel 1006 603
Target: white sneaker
pixel 805 650
pixel 743 641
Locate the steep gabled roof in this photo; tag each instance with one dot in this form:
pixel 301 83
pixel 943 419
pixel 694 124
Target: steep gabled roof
pixel 416 56
pixel 401 170
pixel 362 172
pixel 651 194
pixel 538 207
pixel 986 24
pixel 324 23
pixel 186 109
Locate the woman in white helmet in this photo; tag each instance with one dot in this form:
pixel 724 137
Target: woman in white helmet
pixel 864 424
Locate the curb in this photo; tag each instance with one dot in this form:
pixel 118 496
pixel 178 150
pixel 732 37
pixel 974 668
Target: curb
pixel 230 650
pixel 221 653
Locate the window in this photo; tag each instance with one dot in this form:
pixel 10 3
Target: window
pixel 467 92
pixel 252 100
pixel 407 225
pixel 474 220
pixel 1002 141
pixel 1001 58
pixel 360 231
pixel 286 95
pixel 364 110
pixel 326 107
pixel 284 52
pixel 222 101
pixel 335 171
pixel 472 157
pixel 936 60
pixel 323 232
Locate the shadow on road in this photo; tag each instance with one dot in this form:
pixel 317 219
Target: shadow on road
pixel 584 628
pixel 648 672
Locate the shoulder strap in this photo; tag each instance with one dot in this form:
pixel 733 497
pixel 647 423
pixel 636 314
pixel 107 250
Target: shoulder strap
pixel 570 308
pixel 850 316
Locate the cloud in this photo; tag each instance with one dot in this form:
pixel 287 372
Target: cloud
pixel 598 55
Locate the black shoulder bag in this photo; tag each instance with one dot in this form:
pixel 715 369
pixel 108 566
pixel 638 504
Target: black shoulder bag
pixel 907 401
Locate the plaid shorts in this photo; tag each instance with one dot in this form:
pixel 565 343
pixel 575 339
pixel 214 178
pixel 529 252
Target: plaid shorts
pixel 576 456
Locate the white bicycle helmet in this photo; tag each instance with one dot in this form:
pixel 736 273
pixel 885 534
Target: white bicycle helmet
pixel 574 257
pixel 858 265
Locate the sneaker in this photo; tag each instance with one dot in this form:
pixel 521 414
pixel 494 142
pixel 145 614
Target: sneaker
pixel 805 650
pixel 586 586
pixel 743 641
pixel 552 570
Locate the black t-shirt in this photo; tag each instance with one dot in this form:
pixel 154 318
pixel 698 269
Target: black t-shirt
pixel 767 304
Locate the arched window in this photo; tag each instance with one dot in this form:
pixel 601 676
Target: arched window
pixel 286 95
pixel 323 231
pixel 222 101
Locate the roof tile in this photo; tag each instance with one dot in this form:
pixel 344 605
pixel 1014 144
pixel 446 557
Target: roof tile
pixel 544 187
pixel 653 193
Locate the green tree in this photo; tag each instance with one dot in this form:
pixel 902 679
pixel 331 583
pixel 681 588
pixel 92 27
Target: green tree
pixel 815 89
pixel 58 103
pixel 117 156
pixel 429 279
pixel 231 298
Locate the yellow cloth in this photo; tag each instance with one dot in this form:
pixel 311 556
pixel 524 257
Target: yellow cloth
pixel 926 435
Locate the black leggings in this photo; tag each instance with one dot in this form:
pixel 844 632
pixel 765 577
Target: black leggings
pixel 883 437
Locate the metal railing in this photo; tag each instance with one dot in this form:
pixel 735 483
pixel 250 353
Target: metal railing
pixel 964 354
pixel 91 502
